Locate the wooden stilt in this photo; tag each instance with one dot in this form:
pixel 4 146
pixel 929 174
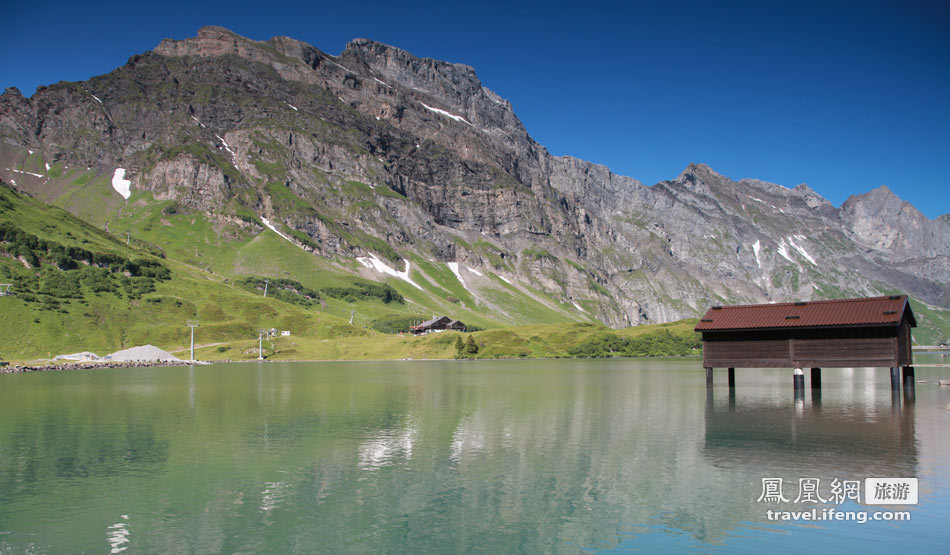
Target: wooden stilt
pixel 910 384
pixel 798 379
pixel 816 378
pixel 732 378
pixel 909 376
pixel 709 377
pixel 895 378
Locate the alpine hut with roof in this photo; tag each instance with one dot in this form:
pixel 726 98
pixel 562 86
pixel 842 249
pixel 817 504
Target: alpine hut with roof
pixel 844 333
pixel 436 324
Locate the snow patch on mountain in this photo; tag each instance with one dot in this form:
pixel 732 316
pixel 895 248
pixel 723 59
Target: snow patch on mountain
pixel 800 249
pixel 120 183
pixel 372 261
pixel 446 114
pixel 783 251
pixel 454 266
pixel 26 172
pixel 274 229
pixel 226 147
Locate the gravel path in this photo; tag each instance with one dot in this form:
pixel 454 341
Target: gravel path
pixel 143 353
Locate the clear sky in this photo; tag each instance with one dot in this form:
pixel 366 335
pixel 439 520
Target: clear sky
pixel 844 96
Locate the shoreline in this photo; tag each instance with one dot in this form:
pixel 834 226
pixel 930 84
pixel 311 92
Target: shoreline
pixel 20 368
pixel 94 365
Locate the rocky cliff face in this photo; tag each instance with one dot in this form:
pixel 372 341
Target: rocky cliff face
pixel 882 221
pixel 378 151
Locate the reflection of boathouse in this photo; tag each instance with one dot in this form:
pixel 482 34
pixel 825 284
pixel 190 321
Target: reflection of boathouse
pixel 842 333
pixel 824 440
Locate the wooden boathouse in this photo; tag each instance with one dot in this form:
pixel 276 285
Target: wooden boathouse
pixel 843 333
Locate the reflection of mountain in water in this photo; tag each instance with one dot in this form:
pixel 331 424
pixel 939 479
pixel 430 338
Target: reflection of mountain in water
pixel 591 456
pixel 508 456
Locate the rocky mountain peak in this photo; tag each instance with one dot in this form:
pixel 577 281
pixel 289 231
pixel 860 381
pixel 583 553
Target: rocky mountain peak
pixel 456 86
pixel 882 220
pixel 280 52
pixel 880 202
pixel 882 192
pixel 700 179
pixel 210 41
pixel 700 170
pixel 811 198
pixel 426 74
pixel 307 53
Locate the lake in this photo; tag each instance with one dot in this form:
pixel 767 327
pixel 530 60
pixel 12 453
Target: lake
pixel 541 456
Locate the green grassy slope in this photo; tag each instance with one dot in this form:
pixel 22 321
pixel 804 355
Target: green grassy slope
pixel 55 310
pixel 933 324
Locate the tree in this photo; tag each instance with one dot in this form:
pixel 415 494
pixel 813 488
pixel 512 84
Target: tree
pixel 470 347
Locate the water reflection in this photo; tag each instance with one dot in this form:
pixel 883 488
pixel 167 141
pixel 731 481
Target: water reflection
pixel 381 449
pixel 819 438
pixel 535 456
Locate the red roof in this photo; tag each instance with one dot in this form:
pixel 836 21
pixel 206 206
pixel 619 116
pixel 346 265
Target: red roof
pixel 873 311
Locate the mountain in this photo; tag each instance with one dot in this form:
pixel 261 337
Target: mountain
pixel 379 164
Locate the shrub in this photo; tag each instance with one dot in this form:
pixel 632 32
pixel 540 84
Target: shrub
pixel 98 280
pixel 393 324
pixel 286 290
pixel 63 285
pixel 659 343
pixel 363 290
pixel 137 286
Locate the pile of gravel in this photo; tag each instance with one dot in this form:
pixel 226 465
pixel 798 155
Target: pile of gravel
pixel 144 353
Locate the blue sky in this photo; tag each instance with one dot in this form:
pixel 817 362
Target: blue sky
pixel 844 96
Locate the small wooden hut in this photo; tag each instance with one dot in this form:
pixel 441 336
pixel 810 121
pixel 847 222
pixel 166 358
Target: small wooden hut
pixel 842 333
pixel 438 323
pixel 456 325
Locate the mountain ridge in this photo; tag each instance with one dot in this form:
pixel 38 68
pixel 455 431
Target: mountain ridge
pixel 226 126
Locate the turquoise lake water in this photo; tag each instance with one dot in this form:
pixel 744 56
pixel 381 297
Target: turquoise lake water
pixel 558 456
